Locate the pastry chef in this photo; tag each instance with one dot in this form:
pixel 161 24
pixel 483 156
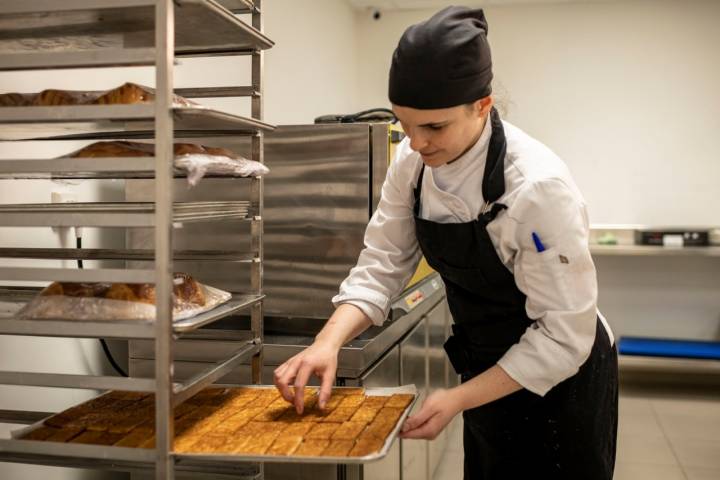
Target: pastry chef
pixel 498 215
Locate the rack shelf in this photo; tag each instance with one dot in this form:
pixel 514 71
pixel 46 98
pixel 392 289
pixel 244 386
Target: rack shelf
pixel 101 121
pixel 40 34
pixel 46 34
pixel 124 254
pixel 126 214
pixel 11 325
pixel 646 251
pixel 114 458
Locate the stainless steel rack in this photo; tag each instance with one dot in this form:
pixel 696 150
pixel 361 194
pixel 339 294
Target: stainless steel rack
pixel 46 34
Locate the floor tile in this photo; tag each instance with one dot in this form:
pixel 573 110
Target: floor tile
pixel 697 453
pixel 645 449
pixel 636 416
pixel 695 473
pixel 694 419
pixel 643 471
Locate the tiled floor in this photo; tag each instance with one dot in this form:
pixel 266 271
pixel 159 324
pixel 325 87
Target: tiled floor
pixel 665 433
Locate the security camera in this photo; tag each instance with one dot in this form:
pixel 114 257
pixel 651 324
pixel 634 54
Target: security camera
pixel 376 14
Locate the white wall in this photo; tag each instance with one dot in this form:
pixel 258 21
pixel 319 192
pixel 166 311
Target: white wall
pixel 310 72
pixel 625 92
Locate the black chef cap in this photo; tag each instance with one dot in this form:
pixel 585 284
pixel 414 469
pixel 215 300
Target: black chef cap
pixel 442 62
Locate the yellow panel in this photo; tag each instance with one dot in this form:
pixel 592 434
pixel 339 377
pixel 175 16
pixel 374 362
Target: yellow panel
pixel 423 269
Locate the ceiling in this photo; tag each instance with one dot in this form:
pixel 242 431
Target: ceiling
pixel 420 4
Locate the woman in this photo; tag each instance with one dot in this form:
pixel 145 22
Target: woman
pixel 498 215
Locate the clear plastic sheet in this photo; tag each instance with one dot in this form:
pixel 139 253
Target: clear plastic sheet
pixel 101 309
pixel 197 166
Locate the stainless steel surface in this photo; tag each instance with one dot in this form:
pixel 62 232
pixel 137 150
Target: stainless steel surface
pixel 317 205
pixel 23 417
pixel 386 372
pixel 110 458
pixel 213 374
pixel 124 254
pixel 645 250
pixel 93 34
pixel 413 369
pixel 380 141
pixel 126 214
pixel 101 121
pixel 203 27
pixel 76 381
pixel 30 274
pixel 436 376
pixel 218 92
pixel 257 195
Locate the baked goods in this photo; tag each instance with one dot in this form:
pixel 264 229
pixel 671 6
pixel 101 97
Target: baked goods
pixel 121 148
pixel 233 421
pixel 185 288
pixel 128 93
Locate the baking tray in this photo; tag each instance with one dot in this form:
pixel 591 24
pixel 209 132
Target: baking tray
pixel 411 389
pixel 224 458
pixel 121 121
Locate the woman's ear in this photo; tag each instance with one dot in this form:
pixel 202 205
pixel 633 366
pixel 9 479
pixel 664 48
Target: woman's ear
pixel 483 106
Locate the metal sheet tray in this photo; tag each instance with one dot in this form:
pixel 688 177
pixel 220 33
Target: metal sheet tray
pixel 411 389
pixel 139 454
pixel 116 121
pixel 51 34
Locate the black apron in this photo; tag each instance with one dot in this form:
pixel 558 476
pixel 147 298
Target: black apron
pixel 569 433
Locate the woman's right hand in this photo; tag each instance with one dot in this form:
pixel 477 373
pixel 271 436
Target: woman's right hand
pixel 319 359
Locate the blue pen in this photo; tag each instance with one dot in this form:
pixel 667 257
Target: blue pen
pixel 538 244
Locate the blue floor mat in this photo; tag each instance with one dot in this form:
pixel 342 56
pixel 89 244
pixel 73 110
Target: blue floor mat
pixel 655 347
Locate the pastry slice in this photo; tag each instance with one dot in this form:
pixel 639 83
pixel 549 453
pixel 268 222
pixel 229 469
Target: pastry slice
pixel 400 400
pixel 340 414
pixel 41 433
pixel 348 431
pixel 377 401
pixel 311 447
pixel 321 431
pixel 285 445
pixel 366 444
pixel 351 401
pixel 133 439
pixel 365 414
pixel 338 448
pixel 65 434
pixel 208 444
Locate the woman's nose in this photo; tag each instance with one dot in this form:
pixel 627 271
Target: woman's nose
pixel 418 141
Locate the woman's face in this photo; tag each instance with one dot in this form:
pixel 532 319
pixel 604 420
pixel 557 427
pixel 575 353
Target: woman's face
pixel 442 135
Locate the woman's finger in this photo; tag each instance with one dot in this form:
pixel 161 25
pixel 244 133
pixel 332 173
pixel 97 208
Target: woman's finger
pixel 328 378
pixel 283 381
pixel 301 379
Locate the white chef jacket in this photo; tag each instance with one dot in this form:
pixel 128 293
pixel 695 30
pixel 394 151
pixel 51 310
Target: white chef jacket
pixel 560 283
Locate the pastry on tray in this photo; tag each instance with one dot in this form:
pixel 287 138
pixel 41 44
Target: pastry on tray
pixel 235 421
pixel 127 94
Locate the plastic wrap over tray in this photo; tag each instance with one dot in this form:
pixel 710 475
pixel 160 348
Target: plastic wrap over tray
pixel 94 308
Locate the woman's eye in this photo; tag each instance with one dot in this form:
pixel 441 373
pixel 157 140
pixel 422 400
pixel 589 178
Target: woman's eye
pixel 436 127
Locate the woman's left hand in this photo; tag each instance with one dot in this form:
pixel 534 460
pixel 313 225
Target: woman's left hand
pixel 437 411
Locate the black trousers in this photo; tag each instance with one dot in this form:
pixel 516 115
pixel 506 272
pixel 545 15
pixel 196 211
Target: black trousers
pixel 570 433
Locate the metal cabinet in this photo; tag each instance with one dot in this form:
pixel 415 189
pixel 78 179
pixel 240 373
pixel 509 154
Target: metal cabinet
pixel 437 378
pixel 413 369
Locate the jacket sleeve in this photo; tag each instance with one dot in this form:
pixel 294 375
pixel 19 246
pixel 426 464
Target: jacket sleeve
pixel 391 251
